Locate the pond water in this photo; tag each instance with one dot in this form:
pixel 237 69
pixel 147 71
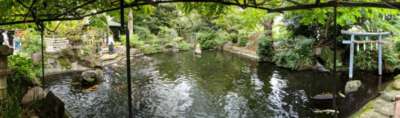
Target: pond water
pixel 214 85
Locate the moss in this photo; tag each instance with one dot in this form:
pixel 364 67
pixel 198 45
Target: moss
pixel 366 108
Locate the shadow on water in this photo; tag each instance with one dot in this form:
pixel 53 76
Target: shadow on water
pixel 216 84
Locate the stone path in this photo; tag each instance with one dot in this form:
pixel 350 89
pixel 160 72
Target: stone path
pixel 382 106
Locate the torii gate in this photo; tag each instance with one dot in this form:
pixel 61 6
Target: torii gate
pixel 378 44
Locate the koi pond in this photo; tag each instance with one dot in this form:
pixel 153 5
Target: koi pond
pixel 214 85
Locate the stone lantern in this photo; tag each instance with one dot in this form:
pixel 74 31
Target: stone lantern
pixel 4 52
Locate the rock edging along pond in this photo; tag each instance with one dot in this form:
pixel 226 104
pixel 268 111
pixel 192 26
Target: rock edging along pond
pixel 384 105
pixel 241 51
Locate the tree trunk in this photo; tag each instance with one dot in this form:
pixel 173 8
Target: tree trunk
pixel 130 22
pixel 268 24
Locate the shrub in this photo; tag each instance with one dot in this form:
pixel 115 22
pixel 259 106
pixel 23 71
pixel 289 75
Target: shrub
pixel 23 73
pixel 31 42
pixel 210 39
pixel 207 39
pixel 23 67
pixel 296 54
pixel 184 46
pixel 397 46
pixel 143 32
pixel 243 42
pixel 134 41
pixel 265 49
pixel 366 60
pixel 150 49
pixel 11 107
pixel 233 37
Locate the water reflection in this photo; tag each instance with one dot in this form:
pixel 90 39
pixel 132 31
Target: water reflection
pixel 215 85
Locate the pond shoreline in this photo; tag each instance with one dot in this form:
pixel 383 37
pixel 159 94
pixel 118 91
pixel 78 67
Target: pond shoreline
pixel 118 63
pixel 383 105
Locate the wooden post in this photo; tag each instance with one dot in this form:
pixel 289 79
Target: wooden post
pixel 42 49
pixel 128 60
pixel 334 56
pixel 351 57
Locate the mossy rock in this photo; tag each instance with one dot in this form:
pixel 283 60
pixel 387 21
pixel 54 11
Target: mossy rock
pixel 91 77
pixel 383 107
pixel 371 114
pixel 396 84
pixel 352 86
pixel 397 77
pixel 389 96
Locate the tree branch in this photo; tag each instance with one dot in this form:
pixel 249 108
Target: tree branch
pixel 294 2
pixel 140 3
pixel 332 4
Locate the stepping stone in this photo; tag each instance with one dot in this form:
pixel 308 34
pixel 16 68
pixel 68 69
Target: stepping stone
pixel 384 107
pixel 373 114
pixel 389 96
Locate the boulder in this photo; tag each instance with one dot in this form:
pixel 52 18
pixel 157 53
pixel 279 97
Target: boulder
pixel 91 77
pixel 318 66
pixel 197 49
pixel 33 94
pixel 52 107
pixel 352 86
pixel 396 84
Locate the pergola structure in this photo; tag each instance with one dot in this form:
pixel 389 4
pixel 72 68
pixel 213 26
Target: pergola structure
pixel 40 11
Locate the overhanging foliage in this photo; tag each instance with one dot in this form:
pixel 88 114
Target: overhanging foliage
pixel 30 11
